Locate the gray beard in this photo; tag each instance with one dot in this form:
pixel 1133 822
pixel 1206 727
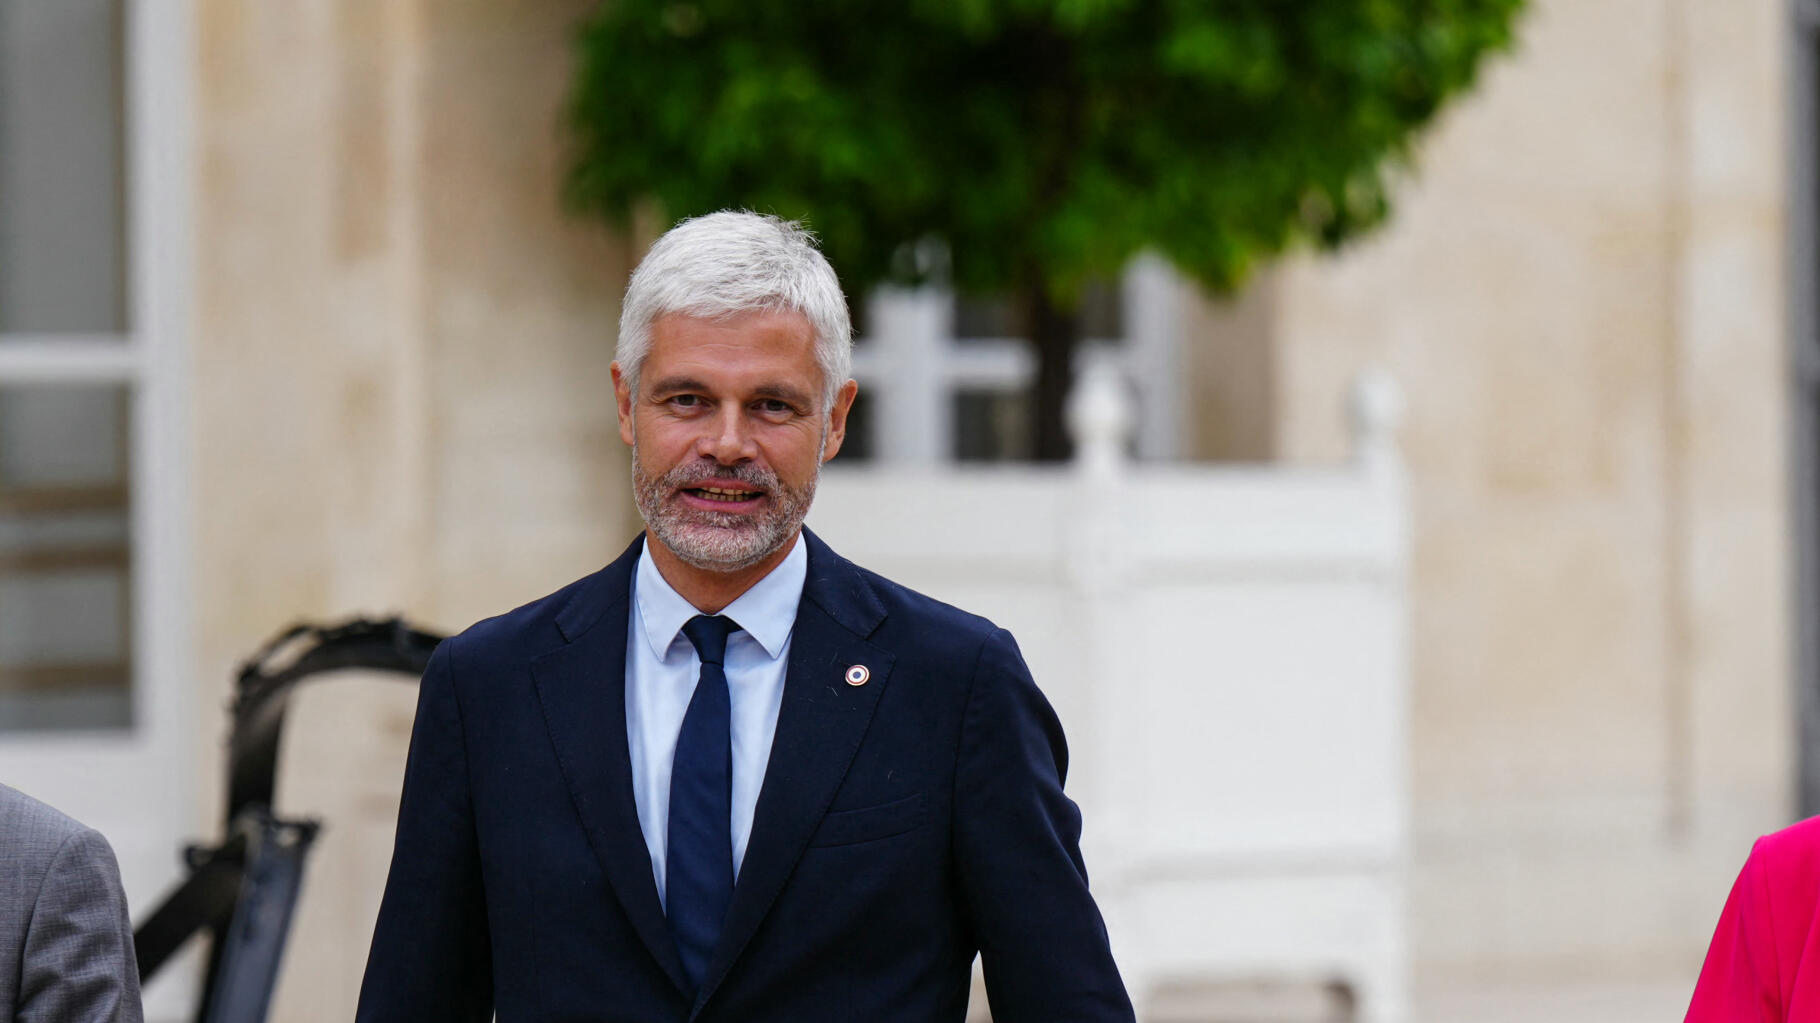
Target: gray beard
pixel 720 541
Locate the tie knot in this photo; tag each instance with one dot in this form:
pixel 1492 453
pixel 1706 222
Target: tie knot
pixel 709 634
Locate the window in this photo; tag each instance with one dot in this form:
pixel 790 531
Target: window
pixel 67 384
pixel 946 379
pixel 64 565
pixel 98 715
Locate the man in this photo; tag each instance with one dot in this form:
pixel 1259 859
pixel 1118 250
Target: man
pixel 732 777
pixel 66 947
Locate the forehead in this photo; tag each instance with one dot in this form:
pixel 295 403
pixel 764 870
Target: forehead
pixel 761 341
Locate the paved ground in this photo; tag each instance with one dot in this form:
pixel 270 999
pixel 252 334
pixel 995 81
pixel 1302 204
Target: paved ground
pixel 1663 1001
pixel 1660 1002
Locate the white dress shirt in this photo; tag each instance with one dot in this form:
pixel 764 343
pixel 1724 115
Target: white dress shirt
pixel 661 669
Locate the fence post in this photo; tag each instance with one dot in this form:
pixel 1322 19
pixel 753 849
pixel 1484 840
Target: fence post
pixel 1375 404
pixel 1096 563
pixel 913 423
pixel 1376 407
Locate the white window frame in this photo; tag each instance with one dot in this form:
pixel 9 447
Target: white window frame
pixel 137 785
pixel 910 366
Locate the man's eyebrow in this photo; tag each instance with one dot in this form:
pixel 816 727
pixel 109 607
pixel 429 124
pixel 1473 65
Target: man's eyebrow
pixel 671 384
pixel 782 392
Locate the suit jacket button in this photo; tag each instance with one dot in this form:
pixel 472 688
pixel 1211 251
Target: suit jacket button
pixel 858 674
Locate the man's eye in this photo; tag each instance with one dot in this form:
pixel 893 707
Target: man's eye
pixel 774 406
pixel 685 400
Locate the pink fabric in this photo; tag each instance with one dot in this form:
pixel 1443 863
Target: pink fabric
pixel 1764 963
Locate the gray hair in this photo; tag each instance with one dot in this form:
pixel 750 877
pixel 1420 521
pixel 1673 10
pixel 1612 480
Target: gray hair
pixel 735 261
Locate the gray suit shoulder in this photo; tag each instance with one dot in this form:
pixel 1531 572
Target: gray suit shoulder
pixel 34 831
pixel 66 943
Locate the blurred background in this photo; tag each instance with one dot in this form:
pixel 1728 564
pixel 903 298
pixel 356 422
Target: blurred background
pixel 1480 451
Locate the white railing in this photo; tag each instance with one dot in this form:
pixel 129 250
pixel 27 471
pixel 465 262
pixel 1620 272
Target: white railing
pixel 1226 648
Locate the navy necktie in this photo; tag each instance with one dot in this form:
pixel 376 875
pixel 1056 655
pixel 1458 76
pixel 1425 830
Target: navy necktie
pixel 699 871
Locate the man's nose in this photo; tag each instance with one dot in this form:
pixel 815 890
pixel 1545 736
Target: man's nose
pixel 730 438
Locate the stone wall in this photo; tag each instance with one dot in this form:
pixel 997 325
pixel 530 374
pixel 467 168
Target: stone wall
pixel 1582 295
pixel 402 396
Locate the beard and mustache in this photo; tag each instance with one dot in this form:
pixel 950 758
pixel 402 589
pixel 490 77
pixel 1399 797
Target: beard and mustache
pixel 718 541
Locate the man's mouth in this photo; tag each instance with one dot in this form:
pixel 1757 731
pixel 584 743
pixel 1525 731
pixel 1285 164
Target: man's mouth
pixel 724 495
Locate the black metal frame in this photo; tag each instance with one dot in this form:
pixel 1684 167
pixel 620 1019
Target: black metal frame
pixel 243 890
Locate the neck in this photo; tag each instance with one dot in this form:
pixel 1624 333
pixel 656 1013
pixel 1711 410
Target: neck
pixel 709 591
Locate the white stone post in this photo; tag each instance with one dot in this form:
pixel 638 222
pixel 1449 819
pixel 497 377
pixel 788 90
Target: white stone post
pixel 1153 342
pixel 1376 407
pixel 911 328
pixel 1101 421
pixel 1375 404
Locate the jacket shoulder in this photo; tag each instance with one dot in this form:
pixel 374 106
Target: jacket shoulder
pixel 923 609
pixel 937 634
pixel 543 624
pixel 533 621
pixel 889 612
pixel 1782 871
pixel 34 831
pixel 1793 852
pixel 18 810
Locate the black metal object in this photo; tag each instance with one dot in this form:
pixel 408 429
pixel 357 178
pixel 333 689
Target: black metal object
pixel 243 890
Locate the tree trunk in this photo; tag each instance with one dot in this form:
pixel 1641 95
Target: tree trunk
pixel 1055 332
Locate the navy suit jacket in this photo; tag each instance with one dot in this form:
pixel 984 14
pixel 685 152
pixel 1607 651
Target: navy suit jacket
pixel 903 825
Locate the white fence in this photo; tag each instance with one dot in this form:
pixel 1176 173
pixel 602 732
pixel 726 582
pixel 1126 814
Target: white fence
pixel 1226 648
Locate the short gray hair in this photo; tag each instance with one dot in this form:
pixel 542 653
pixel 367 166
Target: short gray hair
pixel 731 262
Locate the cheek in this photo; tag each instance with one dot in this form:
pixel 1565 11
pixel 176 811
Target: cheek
pixel 797 454
pixel 663 440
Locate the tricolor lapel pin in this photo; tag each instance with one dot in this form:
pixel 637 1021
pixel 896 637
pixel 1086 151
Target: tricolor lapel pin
pixel 858 674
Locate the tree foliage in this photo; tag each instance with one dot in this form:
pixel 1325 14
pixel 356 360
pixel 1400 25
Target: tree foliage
pixel 1045 142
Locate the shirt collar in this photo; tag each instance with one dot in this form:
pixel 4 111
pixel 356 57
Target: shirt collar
pixel 766 611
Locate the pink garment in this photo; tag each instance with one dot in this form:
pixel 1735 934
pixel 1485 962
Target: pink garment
pixel 1764 963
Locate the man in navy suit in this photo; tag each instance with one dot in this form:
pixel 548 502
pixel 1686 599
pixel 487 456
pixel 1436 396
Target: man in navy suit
pixel 731 776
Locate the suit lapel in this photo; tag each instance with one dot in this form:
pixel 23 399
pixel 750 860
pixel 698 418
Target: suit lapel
pixel 582 687
pixel 819 729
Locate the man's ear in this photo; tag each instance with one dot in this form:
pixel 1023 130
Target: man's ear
pixel 837 419
pixel 622 396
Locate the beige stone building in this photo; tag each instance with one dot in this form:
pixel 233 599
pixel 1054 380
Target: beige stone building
pixel 347 354
pixel 1587 295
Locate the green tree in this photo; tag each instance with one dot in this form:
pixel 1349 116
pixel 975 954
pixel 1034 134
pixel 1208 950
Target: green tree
pixel 1043 143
